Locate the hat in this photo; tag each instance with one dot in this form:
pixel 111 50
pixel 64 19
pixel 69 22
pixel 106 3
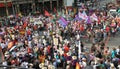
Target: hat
pixel 30 64
pixel 60 45
pixel 83 59
pixel 44 68
pixel 43 37
pixel 97 60
pixel 41 65
pixel 74 57
pixel 65 40
pixel 51 67
pixel 53 32
pixel 6 53
pixel 67 67
pixel 68 54
pixel 112 65
pixel 118 66
pixel 113 21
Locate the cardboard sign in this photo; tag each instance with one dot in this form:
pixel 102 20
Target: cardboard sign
pixel 55 41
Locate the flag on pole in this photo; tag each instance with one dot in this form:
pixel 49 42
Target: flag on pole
pixel 88 20
pixel 85 15
pixel 94 17
pixel 63 22
pixel 77 18
pixel 82 15
pixel 46 13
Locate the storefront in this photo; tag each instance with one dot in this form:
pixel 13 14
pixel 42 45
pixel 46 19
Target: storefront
pixel 5 8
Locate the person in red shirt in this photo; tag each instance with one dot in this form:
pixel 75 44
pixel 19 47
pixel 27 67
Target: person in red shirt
pixel 108 30
pixel 29 32
pixel 25 25
pixel 66 49
pixel 35 27
pixel 81 28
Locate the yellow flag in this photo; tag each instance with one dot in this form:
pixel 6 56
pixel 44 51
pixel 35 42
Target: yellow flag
pixel 77 66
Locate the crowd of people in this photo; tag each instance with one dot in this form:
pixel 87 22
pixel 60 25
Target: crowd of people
pixel 43 42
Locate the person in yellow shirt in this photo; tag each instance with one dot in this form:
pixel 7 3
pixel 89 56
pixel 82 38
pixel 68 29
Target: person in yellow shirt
pixel 41 58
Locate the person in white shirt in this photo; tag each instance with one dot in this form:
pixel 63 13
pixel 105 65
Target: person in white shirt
pixel 84 64
pixel 24 64
pixel 118 50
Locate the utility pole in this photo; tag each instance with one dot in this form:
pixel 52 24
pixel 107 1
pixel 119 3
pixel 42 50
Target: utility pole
pixel 43 6
pixel 57 4
pixel 18 9
pixel 13 7
pixel 50 5
pixel 6 7
pixel 33 6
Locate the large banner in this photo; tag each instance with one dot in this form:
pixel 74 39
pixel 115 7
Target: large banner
pixel 68 2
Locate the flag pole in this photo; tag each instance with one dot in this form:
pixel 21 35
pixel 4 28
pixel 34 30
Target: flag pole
pixel 50 5
pixel 6 7
pixel 57 4
pixel 43 4
pixel 79 52
pixel 13 8
pixel 78 44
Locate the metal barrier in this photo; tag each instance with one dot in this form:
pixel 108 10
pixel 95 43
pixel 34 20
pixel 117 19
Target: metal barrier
pixel 12 67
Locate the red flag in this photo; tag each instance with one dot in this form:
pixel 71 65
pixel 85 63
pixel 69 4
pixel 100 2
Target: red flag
pixel 46 13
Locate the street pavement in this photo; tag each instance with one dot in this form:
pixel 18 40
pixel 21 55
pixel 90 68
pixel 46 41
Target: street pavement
pixel 112 41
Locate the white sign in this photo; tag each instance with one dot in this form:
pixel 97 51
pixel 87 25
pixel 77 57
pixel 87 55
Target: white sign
pixel 68 2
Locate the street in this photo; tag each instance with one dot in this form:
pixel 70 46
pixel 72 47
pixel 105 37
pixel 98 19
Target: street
pixel 112 42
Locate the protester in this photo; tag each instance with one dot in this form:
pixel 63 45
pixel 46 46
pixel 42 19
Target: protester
pixel 48 41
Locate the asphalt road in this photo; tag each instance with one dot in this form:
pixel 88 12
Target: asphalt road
pixel 112 41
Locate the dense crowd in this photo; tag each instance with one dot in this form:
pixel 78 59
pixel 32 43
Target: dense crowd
pixel 41 42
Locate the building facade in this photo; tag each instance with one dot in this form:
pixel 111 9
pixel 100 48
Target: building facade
pixel 8 7
pixel 5 7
